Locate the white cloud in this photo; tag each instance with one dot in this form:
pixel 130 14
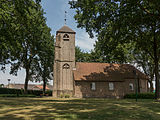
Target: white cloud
pixel 84 42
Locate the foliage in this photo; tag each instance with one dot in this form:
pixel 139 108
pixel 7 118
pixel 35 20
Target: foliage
pixel 145 62
pixel 140 96
pixel 42 68
pixel 49 92
pixel 82 56
pixel 66 96
pixel 15 18
pixel 11 91
pixel 17 95
pixel 21 91
pixel 121 27
pixel 105 52
pixel 24 35
pixel 61 96
pixel 1 85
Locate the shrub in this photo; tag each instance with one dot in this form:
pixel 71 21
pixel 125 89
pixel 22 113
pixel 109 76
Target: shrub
pixel 8 95
pixel 61 95
pixel 10 91
pixel 35 92
pixel 67 96
pixel 140 96
pixel 49 92
pixel 16 95
pixel 19 91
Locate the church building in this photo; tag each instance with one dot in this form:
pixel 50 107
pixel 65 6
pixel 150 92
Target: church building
pixel 85 80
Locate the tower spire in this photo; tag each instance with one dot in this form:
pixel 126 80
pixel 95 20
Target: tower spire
pixel 65 17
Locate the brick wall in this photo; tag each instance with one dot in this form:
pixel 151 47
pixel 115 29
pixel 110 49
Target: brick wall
pixel 83 89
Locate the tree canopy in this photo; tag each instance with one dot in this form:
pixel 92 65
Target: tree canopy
pixel 122 27
pixel 24 37
pixel 82 56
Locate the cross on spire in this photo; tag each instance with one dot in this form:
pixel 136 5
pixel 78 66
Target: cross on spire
pixel 65 17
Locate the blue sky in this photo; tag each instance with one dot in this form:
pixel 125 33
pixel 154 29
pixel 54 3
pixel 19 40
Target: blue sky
pixel 55 12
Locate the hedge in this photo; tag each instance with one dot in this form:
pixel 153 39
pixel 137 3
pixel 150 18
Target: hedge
pixel 21 91
pixel 49 92
pixel 140 96
pixel 17 95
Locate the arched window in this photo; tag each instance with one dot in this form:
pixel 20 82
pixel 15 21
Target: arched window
pixel 131 86
pixel 65 66
pixel 66 37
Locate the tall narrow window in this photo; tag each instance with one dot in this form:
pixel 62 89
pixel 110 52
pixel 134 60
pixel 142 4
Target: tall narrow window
pixel 131 86
pixel 111 86
pixel 66 37
pixel 93 86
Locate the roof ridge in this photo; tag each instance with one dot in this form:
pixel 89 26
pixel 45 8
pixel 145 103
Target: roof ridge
pixel 100 63
pixel 108 63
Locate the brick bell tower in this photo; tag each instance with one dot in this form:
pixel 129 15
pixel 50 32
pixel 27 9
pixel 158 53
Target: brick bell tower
pixel 64 62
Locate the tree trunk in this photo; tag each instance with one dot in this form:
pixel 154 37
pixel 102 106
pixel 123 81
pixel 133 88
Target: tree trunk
pixel 44 80
pixel 156 79
pixel 156 59
pixel 44 86
pixel 151 86
pixel 151 82
pixel 138 85
pixel 26 81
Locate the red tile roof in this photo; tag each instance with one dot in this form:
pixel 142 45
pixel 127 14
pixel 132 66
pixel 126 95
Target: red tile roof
pixel 41 87
pixel 105 72
pixel 30 86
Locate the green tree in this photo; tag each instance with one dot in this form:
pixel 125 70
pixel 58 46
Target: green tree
pixel 118 23
pixel 22 34
pixel 144 61
pixel 1 85
pixel 82 56
pixel 105 51
pixel 43 67
pixel 11 26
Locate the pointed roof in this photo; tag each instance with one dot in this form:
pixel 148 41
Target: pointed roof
pixel 65 29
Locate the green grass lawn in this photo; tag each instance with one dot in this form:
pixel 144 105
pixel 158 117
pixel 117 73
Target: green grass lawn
pixel 78 109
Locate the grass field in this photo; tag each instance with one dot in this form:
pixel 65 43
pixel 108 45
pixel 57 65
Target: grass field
pixel 78 109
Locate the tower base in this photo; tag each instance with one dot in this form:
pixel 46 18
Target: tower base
pixel 62 93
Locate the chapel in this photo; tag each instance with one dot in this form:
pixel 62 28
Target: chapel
pixel 91 80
